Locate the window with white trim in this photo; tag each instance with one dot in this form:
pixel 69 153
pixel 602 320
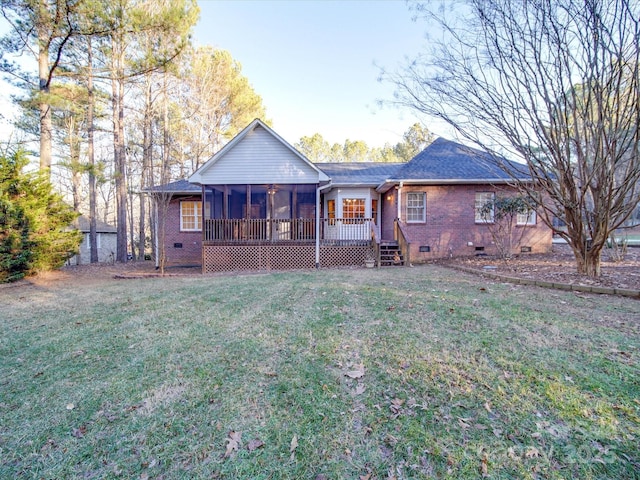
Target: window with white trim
pixel 416 207
pixel 527 218
pixel 353 208
pixel 484 214
pixel 191 215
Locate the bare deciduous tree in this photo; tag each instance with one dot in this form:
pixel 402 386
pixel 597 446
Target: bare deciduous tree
pixel 552 82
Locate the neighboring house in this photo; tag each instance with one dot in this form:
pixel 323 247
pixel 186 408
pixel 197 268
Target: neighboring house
pixel 106 239
pixel 260 204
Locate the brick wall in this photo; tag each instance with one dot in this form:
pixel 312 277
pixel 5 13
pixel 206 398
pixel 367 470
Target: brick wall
pixel 190 251
pixel 450 228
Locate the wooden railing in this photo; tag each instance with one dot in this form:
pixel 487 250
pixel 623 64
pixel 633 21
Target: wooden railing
pixel 243 230
pixel 375 243
pixel 346 229
pixel 260 230
pixel 403 244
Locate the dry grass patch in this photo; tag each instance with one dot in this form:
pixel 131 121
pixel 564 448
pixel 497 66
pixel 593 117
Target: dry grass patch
pixel 398 373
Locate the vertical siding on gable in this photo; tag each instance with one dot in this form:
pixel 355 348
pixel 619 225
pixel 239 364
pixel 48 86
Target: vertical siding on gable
pixel 259 158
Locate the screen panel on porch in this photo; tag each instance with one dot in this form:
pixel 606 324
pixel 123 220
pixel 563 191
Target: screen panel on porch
pixel 261 213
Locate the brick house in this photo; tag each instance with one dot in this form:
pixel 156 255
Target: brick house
pixel 260 204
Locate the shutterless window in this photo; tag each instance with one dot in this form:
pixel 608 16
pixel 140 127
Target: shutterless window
pixel 416 207
pixel 353 208
pixel 484 215
pixel 87 240
pixel 191 216
pixel 331 208
pixel 528 218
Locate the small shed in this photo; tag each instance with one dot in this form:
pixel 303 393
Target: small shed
pixel 106 236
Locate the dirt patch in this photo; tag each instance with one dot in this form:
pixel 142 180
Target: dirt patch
pixel 559 266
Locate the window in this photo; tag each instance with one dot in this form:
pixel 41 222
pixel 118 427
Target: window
pixel 331 209
pixel 191 216
pixel 528 218
pixel 353 208
pixel 416 207
pixel 374 210
pixel 484 214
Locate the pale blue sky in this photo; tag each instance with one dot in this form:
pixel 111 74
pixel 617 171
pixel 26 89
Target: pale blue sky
pixel 314 63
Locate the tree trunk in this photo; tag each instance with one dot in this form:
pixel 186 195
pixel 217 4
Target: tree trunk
pixel 587 259
pixel 93 239
pixel 146 162
pixel 119 153
pixel 45 108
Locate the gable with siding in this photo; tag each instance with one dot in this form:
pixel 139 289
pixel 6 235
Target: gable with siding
pixel 258 156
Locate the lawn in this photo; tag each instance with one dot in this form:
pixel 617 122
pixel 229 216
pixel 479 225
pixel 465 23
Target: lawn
pixel 336 374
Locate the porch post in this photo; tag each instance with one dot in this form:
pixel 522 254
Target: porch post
pixel 204 233
pixel 399 213
pixel 225 203
pixel 318 226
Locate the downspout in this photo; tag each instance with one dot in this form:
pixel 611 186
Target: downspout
pixel 204 224
pixel 155 227
pixel 318 190
pixel 399 201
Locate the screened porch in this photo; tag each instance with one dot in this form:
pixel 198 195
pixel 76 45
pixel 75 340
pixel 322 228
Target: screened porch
pixel 276 214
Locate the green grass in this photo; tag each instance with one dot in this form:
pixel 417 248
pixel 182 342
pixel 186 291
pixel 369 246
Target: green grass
pixel 462 377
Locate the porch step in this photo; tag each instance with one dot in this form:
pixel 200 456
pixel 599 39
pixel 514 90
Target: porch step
pixel 390 254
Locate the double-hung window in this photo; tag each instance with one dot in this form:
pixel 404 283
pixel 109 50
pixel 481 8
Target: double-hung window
pixel 191 216
pixel 526 218
pixel 416 207
pixel 484 207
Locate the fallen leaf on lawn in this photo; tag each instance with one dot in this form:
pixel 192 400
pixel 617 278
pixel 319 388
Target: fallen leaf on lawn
pixel 365 477
pixel 79 432
pixel 463 422
pixel 254 444
pixel 70 406
pixel 293 446
pixel 484 466
pixel 532 452
pixel 233 443
pixel 360 388
pixel 357 373
pixel 396 405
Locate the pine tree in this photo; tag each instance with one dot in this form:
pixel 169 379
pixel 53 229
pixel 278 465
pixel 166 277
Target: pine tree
pixel 35 233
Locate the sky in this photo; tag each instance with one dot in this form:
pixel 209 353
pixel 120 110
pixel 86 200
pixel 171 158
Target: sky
pixel 316 63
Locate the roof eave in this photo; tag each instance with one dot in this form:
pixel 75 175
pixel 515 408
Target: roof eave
pixel 455 181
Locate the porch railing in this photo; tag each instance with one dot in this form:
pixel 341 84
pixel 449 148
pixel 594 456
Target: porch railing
pixel 401 238
pixel 245 230
pixel 260 230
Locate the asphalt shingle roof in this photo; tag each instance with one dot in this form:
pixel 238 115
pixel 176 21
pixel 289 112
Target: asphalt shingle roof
pixel 447 160
pixel 82 223
pixel 442 161
pixel 359 173
pixel 179 186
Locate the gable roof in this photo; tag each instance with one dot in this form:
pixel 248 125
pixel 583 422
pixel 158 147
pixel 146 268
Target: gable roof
pixel 281 162
pixel 82 223
pixel 359 173
pixel 179 187
pixel 445 161
pixel 442 162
